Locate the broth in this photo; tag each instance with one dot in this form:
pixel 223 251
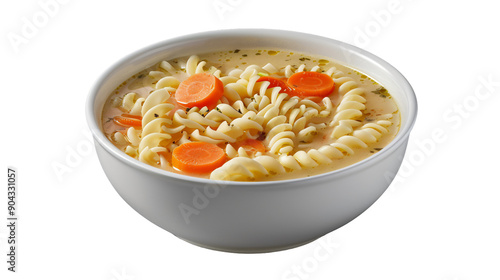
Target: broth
pixel 380 110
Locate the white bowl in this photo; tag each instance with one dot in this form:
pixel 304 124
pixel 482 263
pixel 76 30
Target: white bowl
pixel 251 216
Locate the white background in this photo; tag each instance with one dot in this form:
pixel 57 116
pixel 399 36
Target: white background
pixel 438 220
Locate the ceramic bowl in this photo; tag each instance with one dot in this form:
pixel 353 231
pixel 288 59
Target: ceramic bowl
pixel 251 216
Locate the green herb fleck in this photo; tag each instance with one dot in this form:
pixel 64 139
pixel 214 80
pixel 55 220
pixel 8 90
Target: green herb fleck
pixel 236 51
pixel 262 74
pixel 380 90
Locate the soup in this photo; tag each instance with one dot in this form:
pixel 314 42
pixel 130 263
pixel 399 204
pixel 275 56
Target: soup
pixel 250 115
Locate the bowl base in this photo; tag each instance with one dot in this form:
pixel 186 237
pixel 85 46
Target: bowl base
pixel 255 250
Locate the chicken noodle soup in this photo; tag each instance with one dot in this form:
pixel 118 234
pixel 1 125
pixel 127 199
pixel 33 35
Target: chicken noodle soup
pixel 250 115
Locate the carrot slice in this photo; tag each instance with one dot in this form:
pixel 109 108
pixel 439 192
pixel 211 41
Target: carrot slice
pixel 275 82
pixel 127 121
pixel 131 116
pixel 198 157
pixel 199 90
pixel 311 84
pixel 252 145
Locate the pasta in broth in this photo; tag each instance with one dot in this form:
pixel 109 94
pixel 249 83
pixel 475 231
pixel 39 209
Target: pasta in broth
pixel 250 115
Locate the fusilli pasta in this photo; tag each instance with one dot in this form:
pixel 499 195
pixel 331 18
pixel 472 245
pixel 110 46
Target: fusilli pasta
pixel 298 133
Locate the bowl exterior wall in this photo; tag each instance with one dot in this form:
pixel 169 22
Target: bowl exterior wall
pixel 230 217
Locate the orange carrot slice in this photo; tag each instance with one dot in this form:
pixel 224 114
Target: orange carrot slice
pixel 252 145
pixel 127 121
pixel 198 157
pixel 131 116
pixel 311 84
pixel 200 90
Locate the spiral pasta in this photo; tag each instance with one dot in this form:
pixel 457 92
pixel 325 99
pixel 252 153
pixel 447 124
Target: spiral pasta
pixel 132 103
pixel 350 108
pixel 297 133
pixel 344 146
pixel 246 169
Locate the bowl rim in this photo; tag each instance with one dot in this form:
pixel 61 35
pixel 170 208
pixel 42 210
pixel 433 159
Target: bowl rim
pixel 400 138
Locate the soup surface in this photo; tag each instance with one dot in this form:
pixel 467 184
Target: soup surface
pixel 265 114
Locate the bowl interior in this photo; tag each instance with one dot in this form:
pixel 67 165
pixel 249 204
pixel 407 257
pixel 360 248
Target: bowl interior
pixel 343 53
